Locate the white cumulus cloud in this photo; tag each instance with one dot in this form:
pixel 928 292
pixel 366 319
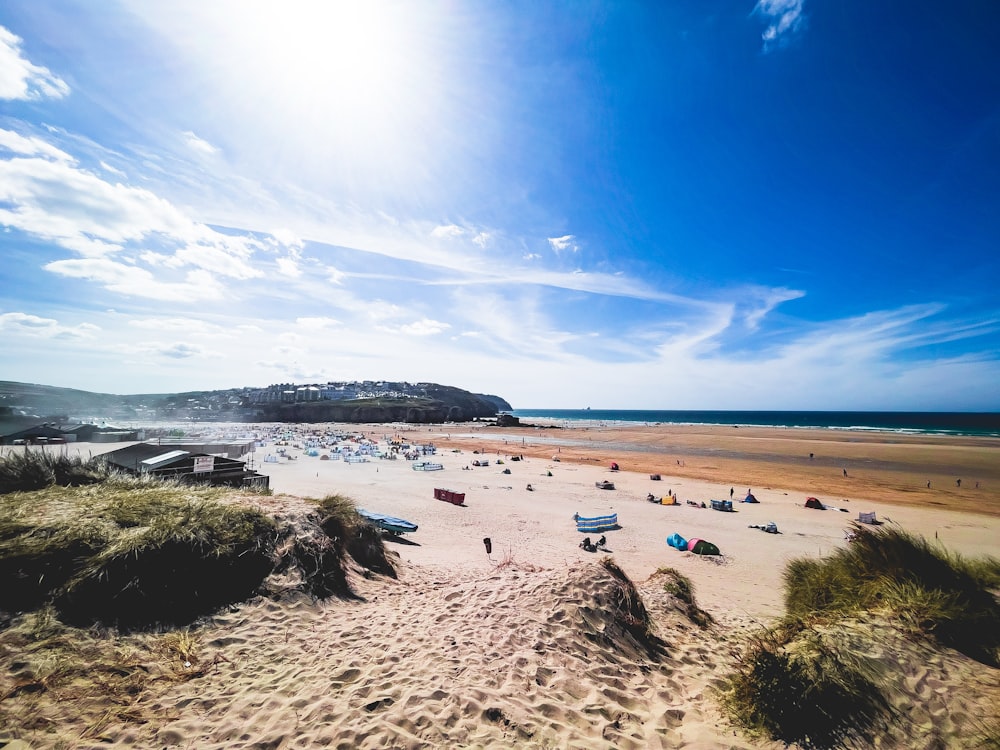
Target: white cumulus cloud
pixel 22 79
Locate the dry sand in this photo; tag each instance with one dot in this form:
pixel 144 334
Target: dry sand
pixel 517 648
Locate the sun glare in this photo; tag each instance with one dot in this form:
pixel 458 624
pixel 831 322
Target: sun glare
pixel 357 87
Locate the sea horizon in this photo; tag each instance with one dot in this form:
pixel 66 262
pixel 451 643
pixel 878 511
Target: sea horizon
pixel 973 424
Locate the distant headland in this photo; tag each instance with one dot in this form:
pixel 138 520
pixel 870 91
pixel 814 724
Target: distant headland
pixel 354 401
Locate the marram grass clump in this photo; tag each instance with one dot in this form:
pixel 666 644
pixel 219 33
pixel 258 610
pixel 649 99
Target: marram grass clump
pixel 26 470
pixel 797 683
pixel 680 587
pixel 924 587
pixel 130 552
pixel 810 679
pixel 324 544
pixel 629 616
pixel 189 558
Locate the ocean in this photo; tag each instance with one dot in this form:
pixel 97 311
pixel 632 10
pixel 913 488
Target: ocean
pixel 981 424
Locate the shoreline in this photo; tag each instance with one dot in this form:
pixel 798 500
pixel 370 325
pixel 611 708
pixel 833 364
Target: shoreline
pixel 888 467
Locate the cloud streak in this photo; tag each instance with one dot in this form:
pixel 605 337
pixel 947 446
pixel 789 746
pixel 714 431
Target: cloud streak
pixel 785 19
pixel 22 79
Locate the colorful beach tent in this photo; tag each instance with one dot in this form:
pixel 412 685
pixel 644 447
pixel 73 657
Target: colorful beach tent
pixel 678 542
pixel 812 502
pixel 702 547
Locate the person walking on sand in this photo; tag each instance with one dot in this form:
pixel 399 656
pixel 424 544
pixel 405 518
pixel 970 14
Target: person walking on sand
pixel 845 472
pixel 731 490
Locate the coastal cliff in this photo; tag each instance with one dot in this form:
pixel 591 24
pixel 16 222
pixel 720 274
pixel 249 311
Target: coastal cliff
pixel 420 403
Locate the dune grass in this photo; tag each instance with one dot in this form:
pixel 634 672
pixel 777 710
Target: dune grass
pixel 628 612
pixel 90 576
pixel 60 671
pixel 802 681
pixel 926 588
pixel 680 587
pixel 796 683
pixel 130 552
pixel 26 470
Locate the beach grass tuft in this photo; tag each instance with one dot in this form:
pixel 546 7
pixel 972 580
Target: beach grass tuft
pixel 58 668
pixel 22 471
pixel 926 588
pixel 628 611
pixel 680 587
pixel 130 552
pixel 807 680
pixel 794 682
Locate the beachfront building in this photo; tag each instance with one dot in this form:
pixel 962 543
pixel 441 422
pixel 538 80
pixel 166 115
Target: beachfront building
pixel 186 466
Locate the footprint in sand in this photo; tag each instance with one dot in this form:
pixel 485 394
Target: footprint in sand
pixel 383 702
pixel 345 678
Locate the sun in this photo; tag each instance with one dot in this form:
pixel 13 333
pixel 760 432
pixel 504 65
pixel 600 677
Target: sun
pixel 361 88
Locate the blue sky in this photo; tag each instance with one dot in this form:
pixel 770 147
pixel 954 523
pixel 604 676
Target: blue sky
pixel 695 204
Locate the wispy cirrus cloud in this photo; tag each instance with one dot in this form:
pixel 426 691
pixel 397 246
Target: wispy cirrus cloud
pixel 179 350
pixel 45 193
pixel 36 326
pixel 22 79
pixel 199 144
pixel 785 19
pixel 131 281
pixel 566 242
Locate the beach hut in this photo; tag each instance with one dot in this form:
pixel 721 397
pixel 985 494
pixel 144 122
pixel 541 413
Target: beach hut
pixel 812 502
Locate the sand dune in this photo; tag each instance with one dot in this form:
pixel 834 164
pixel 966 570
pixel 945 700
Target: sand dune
pixel 530 646
pixel 513 657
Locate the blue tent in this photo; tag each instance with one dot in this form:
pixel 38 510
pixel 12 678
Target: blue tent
pixel 677 542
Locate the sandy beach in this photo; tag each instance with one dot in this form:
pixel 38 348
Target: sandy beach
pixel 886 474
pixel 512 648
